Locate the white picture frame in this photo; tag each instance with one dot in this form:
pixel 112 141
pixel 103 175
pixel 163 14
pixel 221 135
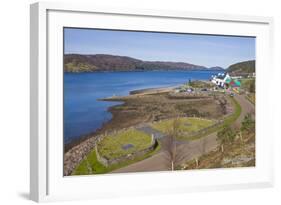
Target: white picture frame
pixel 46 179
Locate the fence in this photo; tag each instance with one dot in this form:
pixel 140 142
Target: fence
pixel 204 130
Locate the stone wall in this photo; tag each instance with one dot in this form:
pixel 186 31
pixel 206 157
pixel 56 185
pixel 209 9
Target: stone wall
pixel 101 159
pixel 205 130
pixel 108 162
pixel 76 154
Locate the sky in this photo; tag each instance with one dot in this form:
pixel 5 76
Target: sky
pixel 204 50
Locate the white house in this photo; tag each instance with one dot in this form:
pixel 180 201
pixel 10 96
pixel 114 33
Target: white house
pixel 220 79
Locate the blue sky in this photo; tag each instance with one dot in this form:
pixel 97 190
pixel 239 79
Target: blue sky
pixel 205 50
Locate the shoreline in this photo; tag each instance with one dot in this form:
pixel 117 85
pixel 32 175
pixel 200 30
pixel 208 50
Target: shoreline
pixel 148 105
pixel 153 90
pixel 141 92
pixel 160 70
pixel 131 94
pixel 145 91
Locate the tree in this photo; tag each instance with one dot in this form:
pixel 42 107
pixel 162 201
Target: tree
pixel 223 103
pixel 225 136
pixel 203 145
pixel 170 144
pixel 170 147
pixel 237 131
pixel 248 123
pixel 252 86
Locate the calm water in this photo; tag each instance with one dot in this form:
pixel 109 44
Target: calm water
pixel 84 114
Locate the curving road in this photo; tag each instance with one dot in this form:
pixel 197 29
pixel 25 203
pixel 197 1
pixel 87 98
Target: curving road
pixel 189 150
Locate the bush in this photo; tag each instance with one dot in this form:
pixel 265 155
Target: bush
pixel 248 123
pixel 226 135
pixel 252 87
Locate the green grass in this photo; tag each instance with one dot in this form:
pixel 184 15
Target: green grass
pixel 200 84
pixel 234 116
pixel 187 125
pixel 89 162
pixel 111 146
pixel 228 121
pixel 246 83
pixel 90 165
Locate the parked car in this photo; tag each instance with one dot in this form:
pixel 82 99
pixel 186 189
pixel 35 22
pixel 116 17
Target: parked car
pixel 204 89
pixel 231 94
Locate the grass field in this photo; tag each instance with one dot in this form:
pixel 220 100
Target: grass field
pixel 246 83
pixel 195 124
pixel 201 84
pixel 112 146
pixel 90 165
pixel 187 125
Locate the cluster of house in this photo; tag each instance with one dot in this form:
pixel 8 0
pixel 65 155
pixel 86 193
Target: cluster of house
pixel 224 80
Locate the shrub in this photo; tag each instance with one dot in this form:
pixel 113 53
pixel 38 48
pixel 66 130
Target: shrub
pixel 226 136
pixel 248 123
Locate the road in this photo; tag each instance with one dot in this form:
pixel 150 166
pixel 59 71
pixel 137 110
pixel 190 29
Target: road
pixel 189 150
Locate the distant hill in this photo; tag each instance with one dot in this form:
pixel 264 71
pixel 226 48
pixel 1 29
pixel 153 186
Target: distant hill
pixel 103 62
pixel 243 67
pixel 216 68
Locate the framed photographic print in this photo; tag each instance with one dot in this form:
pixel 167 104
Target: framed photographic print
pixel 147 101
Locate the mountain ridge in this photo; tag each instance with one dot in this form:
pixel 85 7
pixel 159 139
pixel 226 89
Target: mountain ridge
pixel 243 67
pixel 106 62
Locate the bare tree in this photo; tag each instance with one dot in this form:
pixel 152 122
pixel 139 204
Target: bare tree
pixel 170 147
pixel 175 155
pixel 225 136
pixel 203 146
pixel 223 103
pixel 237 131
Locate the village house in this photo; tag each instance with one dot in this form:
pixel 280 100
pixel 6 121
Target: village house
pixel 224 80
pixel 221 79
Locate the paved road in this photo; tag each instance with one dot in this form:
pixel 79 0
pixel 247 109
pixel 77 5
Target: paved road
pixel 190 150
pixel 146 128
pixel 247 107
